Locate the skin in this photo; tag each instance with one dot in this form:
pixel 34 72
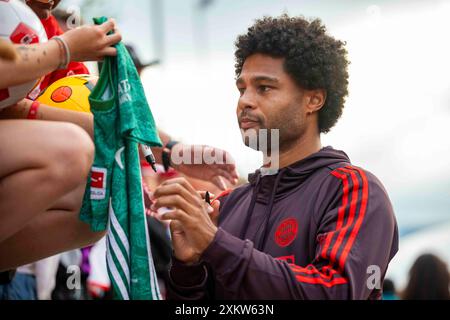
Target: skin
pixel 191 227
pixel 269 99
pixel 42 185
pixel 87 43
pixel 218 174
pixel 42 176
pixel 52 173
pixel 46 222
pixel 46 113
pixel 7 51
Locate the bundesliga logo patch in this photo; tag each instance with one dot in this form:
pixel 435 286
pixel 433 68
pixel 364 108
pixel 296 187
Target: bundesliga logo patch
pixel 98 183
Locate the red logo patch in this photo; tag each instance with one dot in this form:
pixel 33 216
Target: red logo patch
pixel 286 232
pixel 97 179
pixel 24 35
pixel 98 183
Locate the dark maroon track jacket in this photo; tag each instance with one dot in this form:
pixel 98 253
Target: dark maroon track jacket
pixel 317 229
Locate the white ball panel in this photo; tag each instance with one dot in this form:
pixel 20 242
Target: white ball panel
pixel 8 18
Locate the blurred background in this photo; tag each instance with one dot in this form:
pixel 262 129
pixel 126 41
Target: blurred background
pixel 395 122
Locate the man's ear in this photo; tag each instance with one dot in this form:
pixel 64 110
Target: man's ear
pixel 315 100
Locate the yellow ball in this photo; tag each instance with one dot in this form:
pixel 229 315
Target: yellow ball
pixel 70 93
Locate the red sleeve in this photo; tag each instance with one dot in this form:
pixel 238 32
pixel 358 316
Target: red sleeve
pixel 51 27
pixel 73 68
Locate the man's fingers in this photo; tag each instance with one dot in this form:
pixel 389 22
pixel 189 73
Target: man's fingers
pixel 176 215
pixel 215 214
pixel 203 195
pixel 175 188
pixel 220 170
pixel 227 175
pixel 172 201
pixel 229 168
pixel 182 181
pixel 175 226
pixel 233 171
pixel 218 181
pixel 216 205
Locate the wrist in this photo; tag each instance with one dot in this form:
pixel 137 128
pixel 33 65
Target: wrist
pixel 33 111
pixel 53 50
pixel 64 52
pixel 209 239
pixel 192 262
pixel 16 111
pixel 185 275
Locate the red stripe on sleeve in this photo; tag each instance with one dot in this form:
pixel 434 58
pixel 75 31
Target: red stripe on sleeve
pixel 362 212
pixel 327 284
pixel 341 211
pixel 343 231
pixel 327 275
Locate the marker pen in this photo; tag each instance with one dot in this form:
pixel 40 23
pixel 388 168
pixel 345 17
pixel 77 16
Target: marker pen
pixel 148 154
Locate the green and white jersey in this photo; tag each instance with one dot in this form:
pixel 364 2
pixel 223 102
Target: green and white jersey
pixel 113 200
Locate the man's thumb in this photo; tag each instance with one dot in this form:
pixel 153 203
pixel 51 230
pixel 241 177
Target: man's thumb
pixel 215 214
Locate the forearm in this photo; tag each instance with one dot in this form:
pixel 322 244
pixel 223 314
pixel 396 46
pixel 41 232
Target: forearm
pixel 242 272
pixel 34 61
pixel 21 110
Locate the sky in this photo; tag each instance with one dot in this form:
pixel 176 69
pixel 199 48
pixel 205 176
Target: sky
pixel 395 121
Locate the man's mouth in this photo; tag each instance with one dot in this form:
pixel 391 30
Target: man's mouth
pixel 247 123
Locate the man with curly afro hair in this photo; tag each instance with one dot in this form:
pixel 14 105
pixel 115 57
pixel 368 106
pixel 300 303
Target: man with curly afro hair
pixel 309 224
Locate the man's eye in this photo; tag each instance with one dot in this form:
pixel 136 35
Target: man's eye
pixel 263 89
pixel 241 91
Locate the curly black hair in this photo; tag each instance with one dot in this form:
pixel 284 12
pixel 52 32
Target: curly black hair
pixel 313 59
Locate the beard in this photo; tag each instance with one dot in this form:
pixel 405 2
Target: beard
pixel 279 133
pixel 291 131
pixel 251 136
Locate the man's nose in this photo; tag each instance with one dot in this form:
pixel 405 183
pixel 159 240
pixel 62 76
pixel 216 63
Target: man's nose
pixel 247 101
